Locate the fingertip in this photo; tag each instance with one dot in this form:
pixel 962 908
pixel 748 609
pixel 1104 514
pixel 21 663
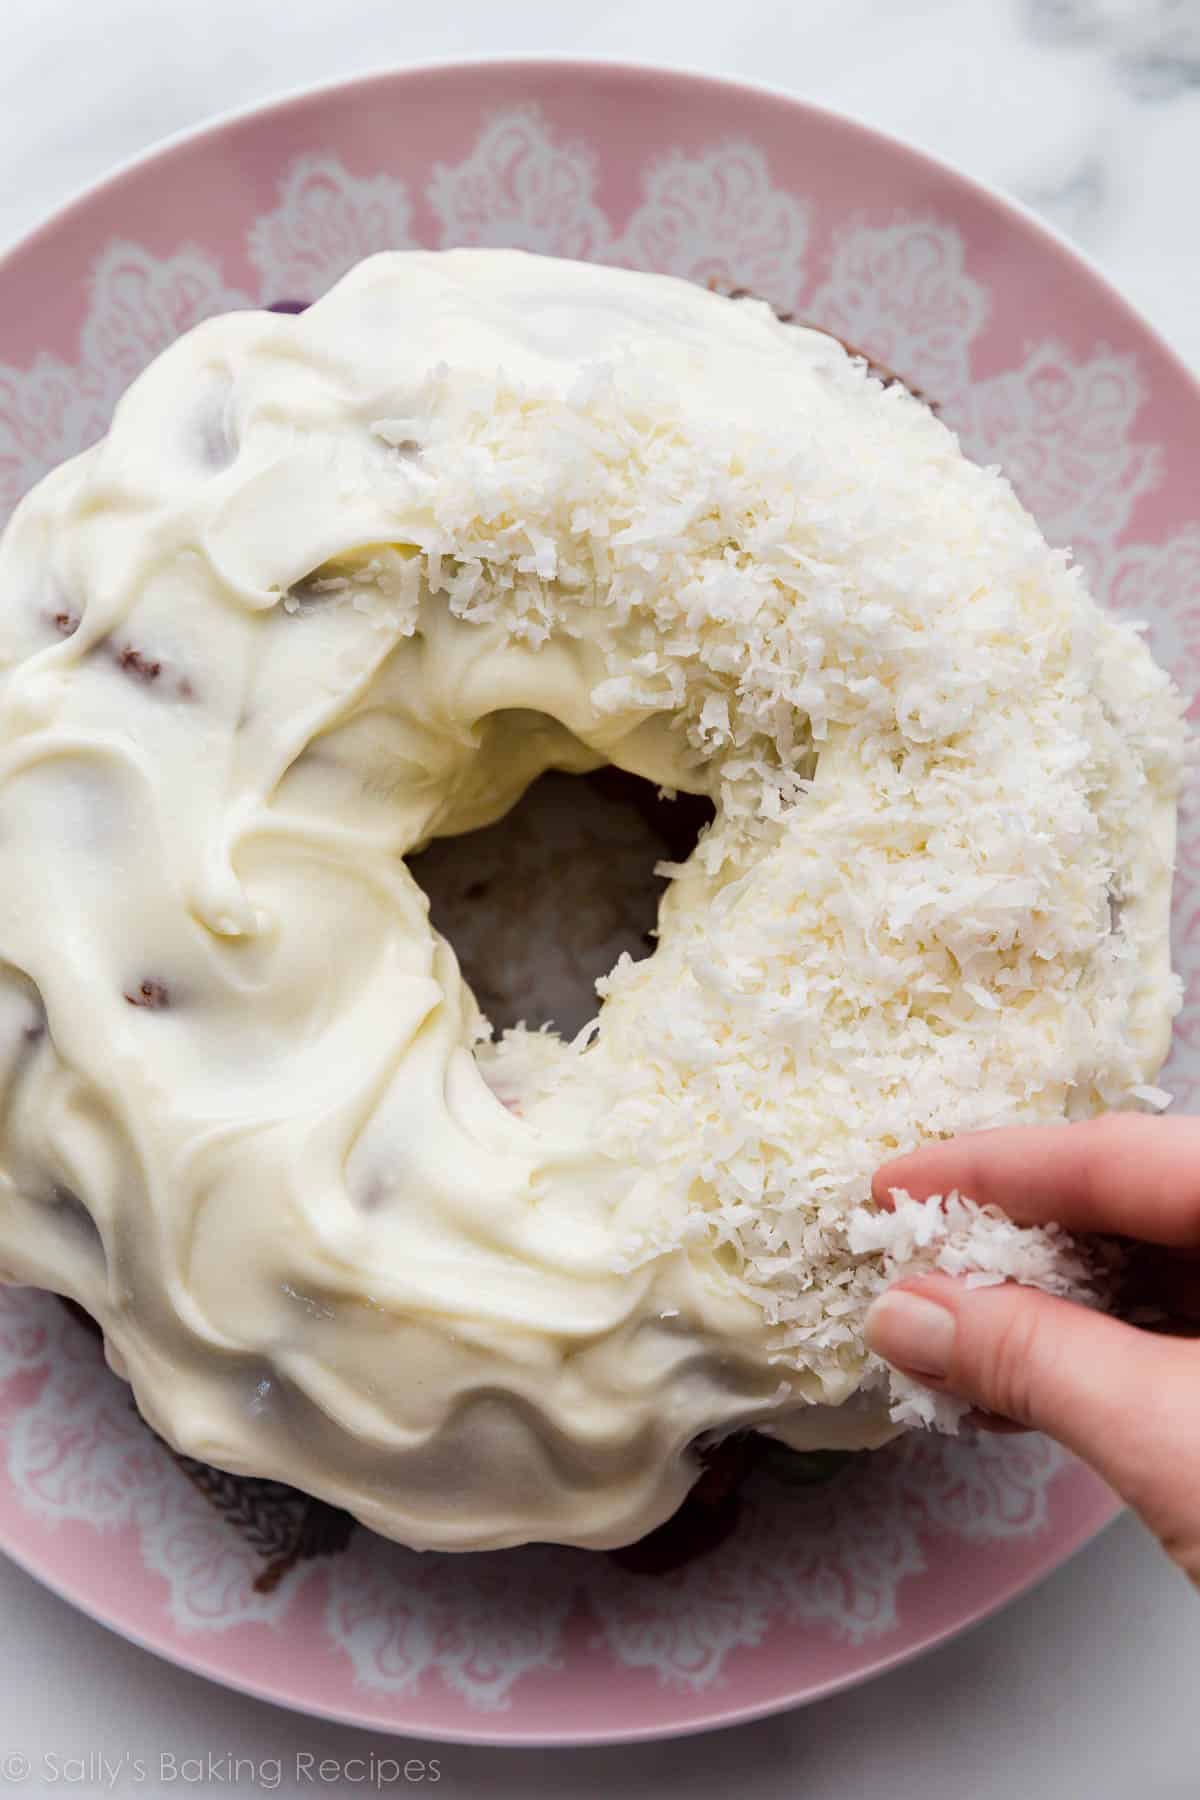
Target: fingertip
pixel 882 1184
pixel 904 1173
pixel 911 1328
pixel 1121 1173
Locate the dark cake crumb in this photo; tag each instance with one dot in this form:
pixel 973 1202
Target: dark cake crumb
pixel 879 370
pixel 711 1512
pixel 154 995
pixel 322 1530
pixel 141 668
pixel 285 1526
pixel 707 1517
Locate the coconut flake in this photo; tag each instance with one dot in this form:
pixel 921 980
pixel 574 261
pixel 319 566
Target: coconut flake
pixel 935 761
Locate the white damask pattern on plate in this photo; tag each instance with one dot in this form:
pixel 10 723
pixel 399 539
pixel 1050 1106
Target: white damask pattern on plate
pixel 901 294
pixel 518 189
pixel 686 1624
pixel 483 1621
pixel 1062 432
pixel 842 1565
pixel 209 1571
pixel 139 304
pixel 326 221
pixel 719 220
pixel 47 413
pixel 988 1487
pixel 1142 576
pixel 142 303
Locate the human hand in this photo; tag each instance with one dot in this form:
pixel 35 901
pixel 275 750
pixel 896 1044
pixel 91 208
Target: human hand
pixel 1124 1399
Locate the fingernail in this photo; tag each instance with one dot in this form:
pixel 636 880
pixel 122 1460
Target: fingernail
pixel 911 1333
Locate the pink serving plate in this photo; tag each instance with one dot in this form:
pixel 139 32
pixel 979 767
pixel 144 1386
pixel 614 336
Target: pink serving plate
pixel 1040 367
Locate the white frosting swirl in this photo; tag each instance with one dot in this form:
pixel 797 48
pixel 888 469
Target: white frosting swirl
pixel 338 584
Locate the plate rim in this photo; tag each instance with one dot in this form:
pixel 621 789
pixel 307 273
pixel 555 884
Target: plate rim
pixel 1052 1559
pixel 1017 215
pixel 301 94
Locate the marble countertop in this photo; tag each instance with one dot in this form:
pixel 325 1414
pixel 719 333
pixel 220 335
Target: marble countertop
pixel 1089 110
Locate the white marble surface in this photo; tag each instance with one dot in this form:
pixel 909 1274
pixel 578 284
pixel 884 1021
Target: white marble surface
pixel 1088 109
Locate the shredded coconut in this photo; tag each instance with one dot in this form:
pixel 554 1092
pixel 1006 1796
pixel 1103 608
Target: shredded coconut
pixel 935 894
pixel 953 1234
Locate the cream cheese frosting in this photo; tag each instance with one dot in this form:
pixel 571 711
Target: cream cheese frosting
pixel 336 585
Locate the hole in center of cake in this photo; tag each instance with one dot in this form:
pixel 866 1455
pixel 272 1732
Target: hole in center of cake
pixel 541 904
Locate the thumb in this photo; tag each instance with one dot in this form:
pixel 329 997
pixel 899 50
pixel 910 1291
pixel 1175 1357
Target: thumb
pixel 1125 1401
